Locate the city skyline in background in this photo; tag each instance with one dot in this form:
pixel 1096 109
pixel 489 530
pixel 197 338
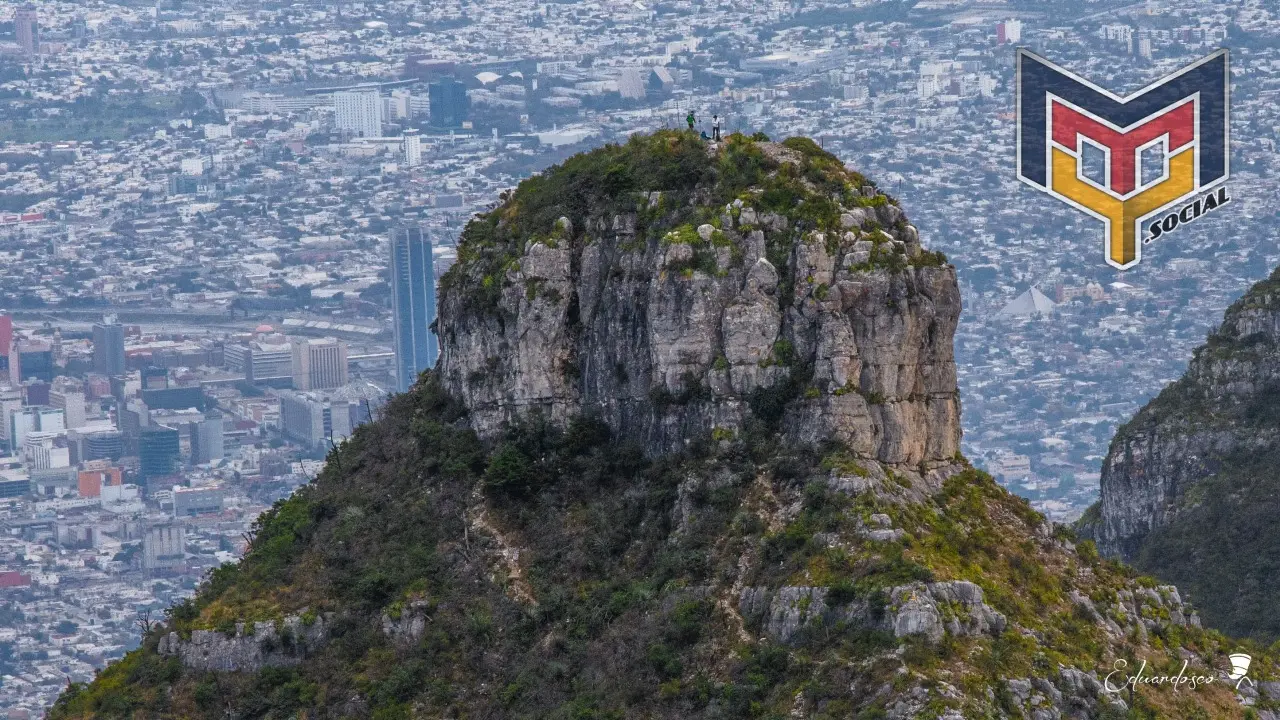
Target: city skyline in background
pixel 223 227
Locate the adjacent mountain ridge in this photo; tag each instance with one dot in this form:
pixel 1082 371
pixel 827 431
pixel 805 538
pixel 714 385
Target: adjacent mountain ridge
pixel 691 451
pixel 1189 487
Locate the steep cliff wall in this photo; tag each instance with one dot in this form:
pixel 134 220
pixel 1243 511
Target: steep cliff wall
pixel 1188 486
pixel 672 320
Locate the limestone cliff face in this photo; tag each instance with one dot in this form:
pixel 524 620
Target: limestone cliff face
pixel 669 329
pixel 1198 427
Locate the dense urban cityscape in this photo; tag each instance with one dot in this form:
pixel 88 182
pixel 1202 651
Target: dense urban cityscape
pixel 222 224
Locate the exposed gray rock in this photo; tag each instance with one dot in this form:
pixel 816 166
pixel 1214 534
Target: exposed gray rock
pixel 911 236
pixel 1148 472
pixel 1172 446
pixel 1080 683
pixel 1085 604
pixel 851 484
pixel 784 612
pixel 932 609
pixel 678 253
pixel 598 324
pixel 792 607
pixel 1021 690
pixel 754 602
pixel 772 222
pixel 251 648
pixel 753 247
pixel 853 218
pixel 408 627
pixel 916 613
pixel 883 533
pixel 1047 690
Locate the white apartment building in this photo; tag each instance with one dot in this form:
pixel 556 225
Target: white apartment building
pixel 359 112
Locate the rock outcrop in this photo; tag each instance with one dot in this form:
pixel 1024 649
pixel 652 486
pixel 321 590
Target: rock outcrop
pixel 933 609
pixel 1214 413
pixel 252 647
pixel 405 624
pixel 927 610
pixel 669 328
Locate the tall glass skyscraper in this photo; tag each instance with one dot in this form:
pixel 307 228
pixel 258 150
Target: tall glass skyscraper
pixel 449 104
pixel 157 451
pixel 108 347
pixel 413 303
pixel 26 26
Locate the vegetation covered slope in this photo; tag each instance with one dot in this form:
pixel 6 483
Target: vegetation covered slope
pixel 563 576
pixel 1224 549
pixel 1190 490
pixel 559 571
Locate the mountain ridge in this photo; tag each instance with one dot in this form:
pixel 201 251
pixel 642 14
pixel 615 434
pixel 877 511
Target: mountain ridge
pixel 787 533
pixel 1187 490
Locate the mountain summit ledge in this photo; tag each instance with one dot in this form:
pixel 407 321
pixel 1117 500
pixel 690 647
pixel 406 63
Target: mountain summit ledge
pixel 692 450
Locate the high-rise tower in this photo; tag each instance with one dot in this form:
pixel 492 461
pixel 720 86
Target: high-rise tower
pixel 26 26
pixel 413 303
pixel 108 347
pixel 358 112
pixel 319 364
pixel 449 104
pixel 412 148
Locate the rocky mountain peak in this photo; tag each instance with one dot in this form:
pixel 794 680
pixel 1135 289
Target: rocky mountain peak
pixel 679 289
pixel 759 296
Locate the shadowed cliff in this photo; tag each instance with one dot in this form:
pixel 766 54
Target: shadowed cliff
pixel 1190 490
